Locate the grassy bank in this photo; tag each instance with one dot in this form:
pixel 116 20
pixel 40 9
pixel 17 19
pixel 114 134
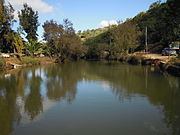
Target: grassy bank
pixel 8 63
pixel 36 60
pixel 172 66
pixel 2 63
pixel 29 60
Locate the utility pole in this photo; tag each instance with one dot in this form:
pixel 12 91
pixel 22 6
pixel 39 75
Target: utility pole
pixel 146 42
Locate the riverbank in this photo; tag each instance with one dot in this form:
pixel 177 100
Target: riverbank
pixel 166 64
pixel 11 63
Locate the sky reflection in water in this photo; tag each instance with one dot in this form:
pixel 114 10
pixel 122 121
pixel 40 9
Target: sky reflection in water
pixel 89 98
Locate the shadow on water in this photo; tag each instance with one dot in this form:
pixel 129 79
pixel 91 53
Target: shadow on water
pixel 25 91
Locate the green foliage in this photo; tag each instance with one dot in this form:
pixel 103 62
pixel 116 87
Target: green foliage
pixel 44 49
pixel 162 21
pixel 6 21
pixel 114 42
pixel 125 37
pixel 91 33
pixel 29 60
pixel 18 43
pixel 1 62
pixel 62 40
pixel 155 5
pixel 31 47
pixel 28 19
pixel 52 31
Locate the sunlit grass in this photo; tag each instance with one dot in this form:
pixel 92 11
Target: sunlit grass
pixel 2 63
pixel 29 60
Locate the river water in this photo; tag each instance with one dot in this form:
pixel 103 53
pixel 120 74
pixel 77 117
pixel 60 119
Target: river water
pixel 89 98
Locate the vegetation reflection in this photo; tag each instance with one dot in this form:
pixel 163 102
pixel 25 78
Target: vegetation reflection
pixel 25 91
pixel 33 103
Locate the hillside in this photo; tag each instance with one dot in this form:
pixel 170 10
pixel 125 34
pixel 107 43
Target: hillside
pixel 161 19
pixel 87 34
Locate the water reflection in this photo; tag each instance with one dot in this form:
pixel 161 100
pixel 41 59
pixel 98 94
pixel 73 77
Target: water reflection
pixel 25 91
pixel 9 111
pixel 33 101
pixel 62 81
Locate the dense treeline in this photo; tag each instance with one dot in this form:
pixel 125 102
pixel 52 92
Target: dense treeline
pixel 11 40
pixel 113 43
pixel 162 21
pixel 60 39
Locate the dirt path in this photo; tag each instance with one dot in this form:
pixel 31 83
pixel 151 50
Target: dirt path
pixel 158 56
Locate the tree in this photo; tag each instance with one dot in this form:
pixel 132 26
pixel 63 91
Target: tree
pixel 28 19
pixel 52 31
pixel 69 43
pixel 63 40
pixel 114 42
pixel 155 5
pixel 32 47
pixel 18 43
pixel 162 20
pixel 174 19
pixel 6 21
pixel 125 37
pixel 33 103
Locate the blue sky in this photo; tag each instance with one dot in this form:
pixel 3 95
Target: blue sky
pixel 85 14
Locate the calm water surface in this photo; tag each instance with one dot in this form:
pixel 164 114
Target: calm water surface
pixel 89 98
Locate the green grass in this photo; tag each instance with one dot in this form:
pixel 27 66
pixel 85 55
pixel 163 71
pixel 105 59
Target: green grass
pixel 30 60
pixel 175 61
pixel 1 62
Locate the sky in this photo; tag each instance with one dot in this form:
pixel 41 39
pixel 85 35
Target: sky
pixel 85 14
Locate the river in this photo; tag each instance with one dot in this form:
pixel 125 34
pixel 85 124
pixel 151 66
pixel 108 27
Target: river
pixel 89 98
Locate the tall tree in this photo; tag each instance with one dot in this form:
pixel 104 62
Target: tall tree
pixel 18 43
pixel 125 37
pixel 28 19
pixel 6 21
pixel 52 31
pixel 174 19
pixel 63 40
pixel 163 22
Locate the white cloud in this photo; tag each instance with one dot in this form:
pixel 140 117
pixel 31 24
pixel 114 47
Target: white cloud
pixel 38 5
pixel 106 23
